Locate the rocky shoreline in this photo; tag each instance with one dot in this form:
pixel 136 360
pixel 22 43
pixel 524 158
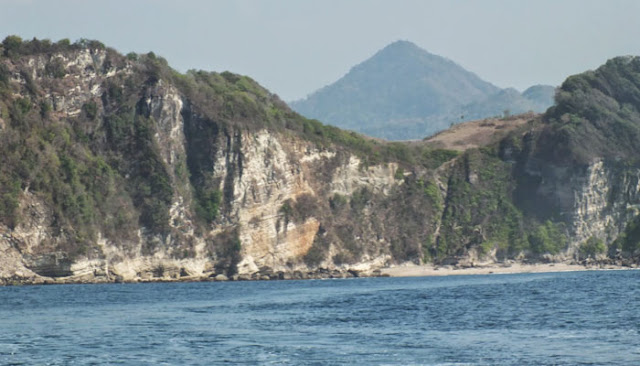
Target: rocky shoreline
pixel 405 270
pixel 265 275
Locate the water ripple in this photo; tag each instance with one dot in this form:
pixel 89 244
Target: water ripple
pixel 582 318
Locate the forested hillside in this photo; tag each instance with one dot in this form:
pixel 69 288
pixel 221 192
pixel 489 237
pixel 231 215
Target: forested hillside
pixel 118 168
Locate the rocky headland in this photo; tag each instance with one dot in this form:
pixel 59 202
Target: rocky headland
pixel 119 169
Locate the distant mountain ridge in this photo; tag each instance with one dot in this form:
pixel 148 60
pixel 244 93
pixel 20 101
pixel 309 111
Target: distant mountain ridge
pixel 404 92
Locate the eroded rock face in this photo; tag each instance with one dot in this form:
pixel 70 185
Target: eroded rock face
pixel 275 171
pixel 593 200
pixel 83 72
pixel 280 205
pixel 605 199
pixel 50 265
pixel 258 171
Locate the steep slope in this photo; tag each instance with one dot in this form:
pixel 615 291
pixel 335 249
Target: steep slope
pixel 568 185
pixel 404 92
pixel 581 168
pixel 118 168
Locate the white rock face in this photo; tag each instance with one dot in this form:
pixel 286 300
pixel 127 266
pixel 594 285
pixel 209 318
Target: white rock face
pixel 275 168
pixel 11 265
pixel 352 176
pixel 598 210
pixel 259 172
pixel 84 76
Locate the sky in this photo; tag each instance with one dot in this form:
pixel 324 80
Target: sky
pixel 294 47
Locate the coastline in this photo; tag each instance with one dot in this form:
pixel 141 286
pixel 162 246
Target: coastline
pixel 402 270
pixel 496 268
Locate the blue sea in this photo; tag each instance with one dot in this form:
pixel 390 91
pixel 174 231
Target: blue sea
pixel 571 318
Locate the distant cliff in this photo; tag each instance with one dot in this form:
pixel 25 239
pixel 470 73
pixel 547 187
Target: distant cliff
pixel 118 168
pixel 403 92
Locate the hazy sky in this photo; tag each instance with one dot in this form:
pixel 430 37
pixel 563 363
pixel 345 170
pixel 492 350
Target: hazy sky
pixel 294 47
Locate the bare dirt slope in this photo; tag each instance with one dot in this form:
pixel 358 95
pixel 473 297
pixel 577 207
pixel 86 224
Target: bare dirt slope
pixel 479 133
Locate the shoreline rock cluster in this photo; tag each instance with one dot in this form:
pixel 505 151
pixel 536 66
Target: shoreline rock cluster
pixel 263 275
pixel 267 274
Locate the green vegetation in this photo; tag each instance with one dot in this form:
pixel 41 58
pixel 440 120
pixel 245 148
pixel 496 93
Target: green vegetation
pixel 317 253
pixel 230 99
pixel 597 114
pixel 14 47
pixel 629 240
pixel 371 151
pixel 360 198
pixel 338 201
pixel 478 209
pixel 479 212
pixel 4 80
pixel 227 99
pixel 75 183
pixel 130 138
pixel 9 195
pixel 94 180
pixel 106 170
pixel 592 248
pixel 286 210
pixel 208 203
pixel 227 248
pixel 547 238
pixel 55 68
pixel 91 110
pixel 433 193
pixel 299 210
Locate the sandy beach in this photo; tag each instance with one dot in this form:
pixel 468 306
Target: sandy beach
pixel 498 268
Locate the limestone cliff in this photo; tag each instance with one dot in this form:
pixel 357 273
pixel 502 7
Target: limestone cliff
pixel 118 168
pixel 157 178
pixel 579 166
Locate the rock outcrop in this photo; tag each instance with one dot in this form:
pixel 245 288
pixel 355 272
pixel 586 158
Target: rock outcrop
pixel 120 169
pixel 275 186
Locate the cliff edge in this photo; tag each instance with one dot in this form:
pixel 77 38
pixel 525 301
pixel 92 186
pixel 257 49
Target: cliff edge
pixel 118 168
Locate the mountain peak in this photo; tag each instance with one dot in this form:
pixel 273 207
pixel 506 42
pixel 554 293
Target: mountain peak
pixel 401 45
pixel 405 92
pixel 405 52
pixel 398 84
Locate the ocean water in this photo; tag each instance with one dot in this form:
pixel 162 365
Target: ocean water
pixel 577 318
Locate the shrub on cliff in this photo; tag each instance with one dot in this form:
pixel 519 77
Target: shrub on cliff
pixel 547 238
pixel 592 248
pixel 597 114
pixel 629 241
